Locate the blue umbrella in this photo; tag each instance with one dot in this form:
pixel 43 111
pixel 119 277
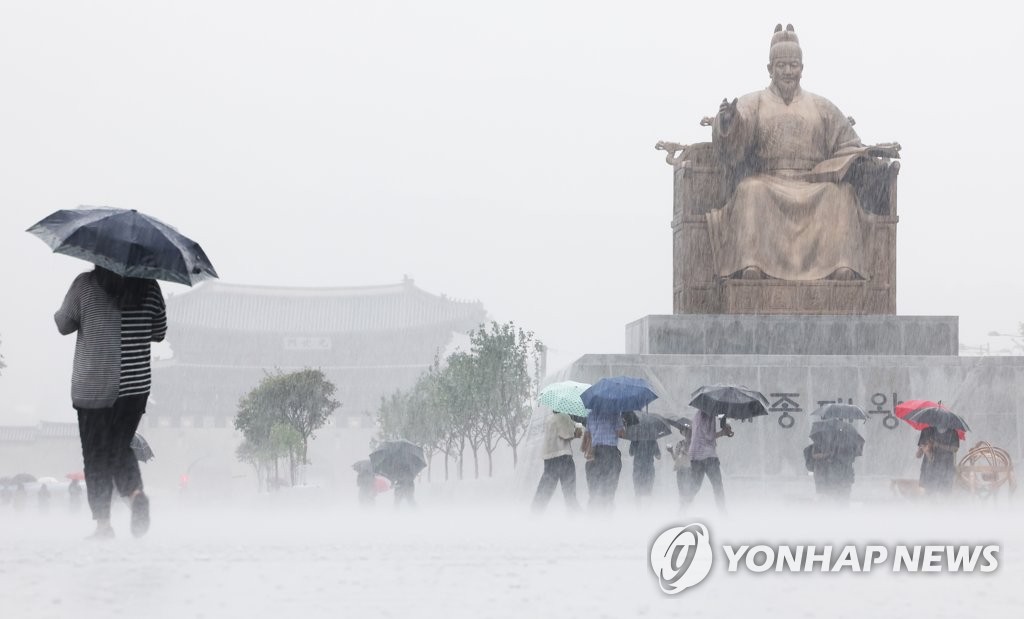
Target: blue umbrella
pixel 618 395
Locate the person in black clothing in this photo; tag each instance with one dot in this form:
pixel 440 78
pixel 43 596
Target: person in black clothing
pixel 366 482
pixel 937 449
pixel 644 453
pixel 405 489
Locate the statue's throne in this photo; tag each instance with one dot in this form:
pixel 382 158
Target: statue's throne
pixel 702 185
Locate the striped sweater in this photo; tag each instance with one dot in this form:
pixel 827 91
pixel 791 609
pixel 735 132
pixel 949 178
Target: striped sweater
pixel 112 350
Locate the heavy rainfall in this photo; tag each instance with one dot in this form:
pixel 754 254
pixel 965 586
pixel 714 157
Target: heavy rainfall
pixel 433 330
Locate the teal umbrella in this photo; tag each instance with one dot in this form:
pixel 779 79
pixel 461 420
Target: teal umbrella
pixel 564 397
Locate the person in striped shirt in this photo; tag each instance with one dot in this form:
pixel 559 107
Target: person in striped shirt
pixel 116 318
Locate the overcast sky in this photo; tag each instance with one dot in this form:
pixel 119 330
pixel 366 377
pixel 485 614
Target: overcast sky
pixel 492 151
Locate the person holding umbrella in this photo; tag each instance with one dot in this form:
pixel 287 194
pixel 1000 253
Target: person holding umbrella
pixel 942 430
pixel 835 445
pixel 712 401
pixel 117 310
pixel 937 447
pixel 559 466
pixel 116 319
pixel 607 400
pixel 704 456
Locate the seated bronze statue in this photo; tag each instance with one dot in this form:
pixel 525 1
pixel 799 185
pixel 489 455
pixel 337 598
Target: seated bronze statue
pixel 788 157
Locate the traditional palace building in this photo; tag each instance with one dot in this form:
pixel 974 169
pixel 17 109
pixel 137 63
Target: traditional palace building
pixel 368 340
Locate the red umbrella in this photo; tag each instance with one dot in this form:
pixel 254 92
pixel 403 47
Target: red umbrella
pixel 79 475
pixel 381 484
pixel 904 410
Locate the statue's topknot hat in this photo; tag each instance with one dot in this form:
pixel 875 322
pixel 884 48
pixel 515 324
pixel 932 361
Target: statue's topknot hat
pixel 784 42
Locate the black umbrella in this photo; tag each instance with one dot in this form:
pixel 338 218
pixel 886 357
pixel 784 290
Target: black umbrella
pixel 839 435
pixel 126 242
pixel 732 401
pixel 682 424
pixel 143 452
pixel 836 410
pixel 939 418
pixel 644 426
pixel 362 466
pixel 23 478
pixel 398 459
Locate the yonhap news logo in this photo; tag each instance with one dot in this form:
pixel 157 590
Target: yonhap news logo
pixel 681 558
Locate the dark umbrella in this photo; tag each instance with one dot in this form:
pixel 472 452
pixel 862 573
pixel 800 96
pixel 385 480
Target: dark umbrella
pixel 680 423
pixel 362 466
pixel 126 242
pixel 840 434
pixel 23 478
pixel 143 452
pixel 398 459
pixel 732 401
pixel 836 410
pixel 643 426
pixel 618 395
pixel 939 418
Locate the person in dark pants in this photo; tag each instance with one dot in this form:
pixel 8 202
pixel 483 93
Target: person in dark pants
pixel 704 457
pixel 559 466
pixel 366 482
pixel 937 448
pixel 75 495
pixel 833 470
pixel 644 453
pixel 405 489
pixel 116 319
pixel 605 430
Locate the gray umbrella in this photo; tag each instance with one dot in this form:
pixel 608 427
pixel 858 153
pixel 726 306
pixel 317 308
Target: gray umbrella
pixel 836 410
pixel 143 452
pixel 644 426
pixel 939 418
pixel 398 459
pixel 126 242
pixel 731 401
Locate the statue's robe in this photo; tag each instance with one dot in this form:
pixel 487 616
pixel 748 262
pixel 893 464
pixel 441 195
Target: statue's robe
pixel 777 220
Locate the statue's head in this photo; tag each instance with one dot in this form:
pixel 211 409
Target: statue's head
pixel 785 61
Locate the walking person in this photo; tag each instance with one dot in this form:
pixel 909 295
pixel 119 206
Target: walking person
pixel 559 466
pixel 681 463
pixel 704 457
pixel 605 430
pixel 644 453
pixel 405 489
pixel 75 495
pixel 43 497
pixel 116 319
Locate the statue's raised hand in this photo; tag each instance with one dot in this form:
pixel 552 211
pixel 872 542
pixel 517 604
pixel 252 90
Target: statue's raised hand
pixel 727 111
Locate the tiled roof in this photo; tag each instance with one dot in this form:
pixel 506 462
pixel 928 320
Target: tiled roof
pixel 45 430
pixel 18 434
pixel 218 305
pixel 58 429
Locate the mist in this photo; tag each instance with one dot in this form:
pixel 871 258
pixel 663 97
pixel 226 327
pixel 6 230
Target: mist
pixel 499 155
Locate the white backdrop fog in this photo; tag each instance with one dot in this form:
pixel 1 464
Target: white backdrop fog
pixel 502 152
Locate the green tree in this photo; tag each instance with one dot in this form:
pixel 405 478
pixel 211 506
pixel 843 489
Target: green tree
pixel 510 362
pixel 281 414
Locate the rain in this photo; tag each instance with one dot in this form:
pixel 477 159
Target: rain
pixel 394 195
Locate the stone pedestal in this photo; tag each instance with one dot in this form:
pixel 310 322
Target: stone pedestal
pixel 987 391
pixel 711 334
